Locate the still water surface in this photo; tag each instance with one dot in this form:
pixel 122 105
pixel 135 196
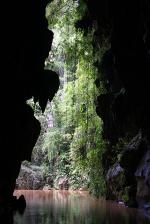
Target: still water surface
pixel 63 207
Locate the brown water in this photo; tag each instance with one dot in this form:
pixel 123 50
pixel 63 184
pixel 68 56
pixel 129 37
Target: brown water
pixel 63 207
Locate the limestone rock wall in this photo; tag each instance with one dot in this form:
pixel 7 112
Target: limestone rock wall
pixel 124 70
pixel 25 42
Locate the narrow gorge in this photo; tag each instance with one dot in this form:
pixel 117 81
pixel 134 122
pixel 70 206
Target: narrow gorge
pixel 95 55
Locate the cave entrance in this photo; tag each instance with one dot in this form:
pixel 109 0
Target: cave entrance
pixel 69 150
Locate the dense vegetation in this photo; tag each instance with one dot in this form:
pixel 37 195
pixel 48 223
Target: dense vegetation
pixel 71 145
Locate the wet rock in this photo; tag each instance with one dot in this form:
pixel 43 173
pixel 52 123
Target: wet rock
pixel 115 180
pixel 135 160
pixel 7 208
pixel 133 152
pixel 142 175
pixel 131 156
pixel 21 201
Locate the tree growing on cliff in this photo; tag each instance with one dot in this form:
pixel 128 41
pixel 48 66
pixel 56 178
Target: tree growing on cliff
pixel 72 145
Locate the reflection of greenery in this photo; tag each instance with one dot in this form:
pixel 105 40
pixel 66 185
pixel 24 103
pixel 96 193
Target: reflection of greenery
pixel 72 208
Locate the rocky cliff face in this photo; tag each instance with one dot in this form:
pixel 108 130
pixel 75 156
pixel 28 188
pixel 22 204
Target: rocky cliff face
pixel 25 42
pixel 30 178
pixel 124 108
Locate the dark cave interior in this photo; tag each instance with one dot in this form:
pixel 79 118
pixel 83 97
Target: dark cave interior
pixel 26 42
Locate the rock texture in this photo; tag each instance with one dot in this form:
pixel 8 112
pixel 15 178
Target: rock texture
pixel 124 108
pixel 115 181
pixel 130 159
pixel 129 178
pixel 30 179
pixel 142 175
pixel 124 70
pixel 25 42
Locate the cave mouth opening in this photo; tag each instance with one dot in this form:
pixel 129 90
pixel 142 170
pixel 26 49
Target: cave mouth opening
pixel 69 149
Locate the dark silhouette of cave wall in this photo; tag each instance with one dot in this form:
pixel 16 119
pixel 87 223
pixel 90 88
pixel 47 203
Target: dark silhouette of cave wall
pixel 25 43
pixel 124 70
pixel 126 65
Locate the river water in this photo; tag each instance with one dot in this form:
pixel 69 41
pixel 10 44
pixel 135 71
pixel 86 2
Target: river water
pixel 64 207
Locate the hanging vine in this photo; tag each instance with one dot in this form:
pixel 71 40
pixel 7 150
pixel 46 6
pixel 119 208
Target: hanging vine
pixel 72 143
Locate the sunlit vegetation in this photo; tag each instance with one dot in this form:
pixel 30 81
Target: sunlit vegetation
pixel 71 144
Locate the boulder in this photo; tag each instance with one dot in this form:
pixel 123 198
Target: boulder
pixel 115 180
pixel 29 179
pixel 142 175
pixel 132 153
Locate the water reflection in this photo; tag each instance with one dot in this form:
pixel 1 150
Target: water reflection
pixel 62 207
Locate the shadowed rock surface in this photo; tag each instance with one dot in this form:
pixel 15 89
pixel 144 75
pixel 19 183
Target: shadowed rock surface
pixel 25 43
pixel 124 70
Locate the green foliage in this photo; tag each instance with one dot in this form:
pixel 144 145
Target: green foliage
pixel 71 144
